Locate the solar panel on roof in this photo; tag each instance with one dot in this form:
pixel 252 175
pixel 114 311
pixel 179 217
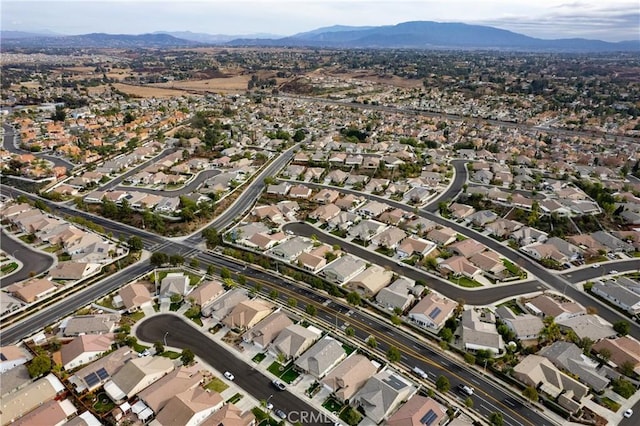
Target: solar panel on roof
pixel 102 373
pixel 428 418
pixel 91 379
pixel 436 311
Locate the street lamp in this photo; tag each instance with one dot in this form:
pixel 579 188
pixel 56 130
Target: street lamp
pixel 165 338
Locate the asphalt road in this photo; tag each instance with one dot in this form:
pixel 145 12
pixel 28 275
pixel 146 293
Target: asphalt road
pixel 182 335
pixel 34 262
pixel 118 180
pixel 193 185
pixel 11 143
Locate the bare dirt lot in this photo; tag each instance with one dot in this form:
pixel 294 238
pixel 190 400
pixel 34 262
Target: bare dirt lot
pixel 149 91
pixel 233 84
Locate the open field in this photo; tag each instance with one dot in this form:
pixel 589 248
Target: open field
pixel 149 91
pixel 225 85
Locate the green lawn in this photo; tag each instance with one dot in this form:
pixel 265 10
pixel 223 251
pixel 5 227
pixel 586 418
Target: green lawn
pixel 216 385
pixel 135 316
pixel 348 349
pixel 235 398
pixel 259 357
pixel 52 249
pixel 290 375
pixel 193 278
pixel 170 354
pixel 139 348
pixel 9 267
pixel 465 282
pixel 276 368
pixel 511 304
pixel 103 404
pixel 610 404
pixel 332 405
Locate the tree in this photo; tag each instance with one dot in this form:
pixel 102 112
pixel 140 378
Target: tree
pixel 469 358
pixel 530 393
pixel 212 237
pixel 225 273
pixel 623 387
pixel 393 354
pixel 187 356
pixel 176 298
pixel 159 347
pixel 159 259
pixel 274 294
pixel 135 243
pixel 468 402
pixel 372 342
pixel 622 327
pixel 396 320
pixel 627 368
pixel 39 365
pixel 292 302
pixel 311 310
pixel 211 270
pixel 349 331
pixel 605 355
pixel 446 334
pixel 442 384
pixel 194 263
pixel 59 114
pixel 496 419
pixel 354 298
pixel 176 259
pixel 242 280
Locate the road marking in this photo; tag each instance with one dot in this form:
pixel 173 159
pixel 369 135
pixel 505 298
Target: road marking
pixel 475 381
pixel 509 402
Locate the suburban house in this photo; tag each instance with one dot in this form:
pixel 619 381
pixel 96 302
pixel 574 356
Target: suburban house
pixel 524 326
pixel 11 357
pixel 88 379
pixel 419 411
pixel 248 313
pixel 325 212
pixel 37 393
pixel 432 311
pixel 326 196
pixel 293 340
pixel 618 295
pixel 53 412
pixel 502 227
pixel 84 349
pixel 421 226
pixel 90 324
pixel 133 297
pixel 540 373
pixel 230 415
pixel 321 357
pixel 479 331
pixel 349 376
pixel 382 394
pixel 366 230
pixel 32 290
pixel 291 248
pixel 459 266
pixel 372 209
pixel 622 349
pixel 528 235
pixel 483 217
pixel 265 332
pixel 589 326
pixel 343 269
pixel 558 309
pixel 72 270
pixel 567 356
pixel 175 283
pixel 300 192
pixel 389 238
pixel 541 251
pixel 414 246
pixel 206 293
pixel 467 248
pixel 311 262
pixel 220 307
pixel 136 375
pixel 370 281
pixel 188 408
pixel 461 211
pixel 398 294
pixel 157 395
pixel 442 236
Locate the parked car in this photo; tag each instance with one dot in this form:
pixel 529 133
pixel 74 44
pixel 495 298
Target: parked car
pixel 278 384
pixel 628 413
pixel 281 414
pixel 229 376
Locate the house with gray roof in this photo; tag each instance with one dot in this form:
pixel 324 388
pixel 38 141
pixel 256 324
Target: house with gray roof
pixel 587 326
pixel 293 341
pixel 568 356
pixel 618 295
pixel 482 217
pixel 382 394
pixel 612 243
pixel 321 357
pixel 265 332
pixel 397 295
pixel 224 304
pixel 90 324
pixel 136 375
pixel 528 235
pixel 366 230
pixel 343 269
pixel 525 326
pixel 479 331
pixel 291 248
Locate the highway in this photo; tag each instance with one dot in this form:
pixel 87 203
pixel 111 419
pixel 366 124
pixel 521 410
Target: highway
pixel 34 262
pixel 182 335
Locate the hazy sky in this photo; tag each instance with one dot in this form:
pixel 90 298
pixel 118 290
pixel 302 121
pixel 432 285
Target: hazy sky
pixel 611 20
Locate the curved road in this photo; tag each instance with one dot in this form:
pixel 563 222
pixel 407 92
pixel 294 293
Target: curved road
pixel 182 335
pixel 34 262
pixel 11 144
pixel 193 185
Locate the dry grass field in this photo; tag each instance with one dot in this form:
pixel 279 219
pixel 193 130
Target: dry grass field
pixel 233 84
pixel 149 91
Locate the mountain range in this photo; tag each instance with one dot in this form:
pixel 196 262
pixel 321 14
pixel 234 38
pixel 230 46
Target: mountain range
pixel 407 35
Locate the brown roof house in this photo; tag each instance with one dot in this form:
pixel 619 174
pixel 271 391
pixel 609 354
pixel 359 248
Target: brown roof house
pixel 370 281
pixel 220 307
pixel 321 357
pixel 432 311
pixel 87 378
pixel 188 408
pixel 10 357
pixel 265 332
pixel 539 372
pixel 30 291
pixel 133 297
pixel 230 415
pixel 459 266
pixel 21 402
pixel 419 411
pixel 206 293
pixel 467 248
pixel 349 376
pixel 52 412
pixel 248 313
pixel 90 324
pixel 84 349
pixel 179 380
pixel 558 309
pixel 622 349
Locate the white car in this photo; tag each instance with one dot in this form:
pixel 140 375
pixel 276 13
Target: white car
pixel 628 413
pixel 613 271
pixel 269 406
pixel 229 376
pixel 595 265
